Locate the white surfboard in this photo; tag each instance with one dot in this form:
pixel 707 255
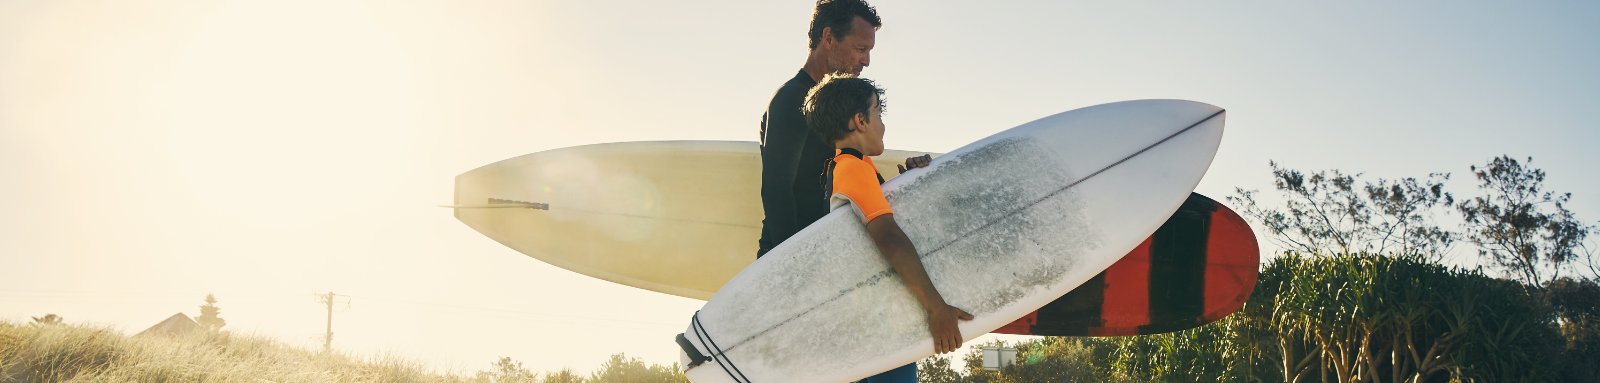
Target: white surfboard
pixel 677 217
pixel 1003 226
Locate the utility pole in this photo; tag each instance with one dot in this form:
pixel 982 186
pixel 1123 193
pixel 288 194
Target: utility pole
pixel 327 340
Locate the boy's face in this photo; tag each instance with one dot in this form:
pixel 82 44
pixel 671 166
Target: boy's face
pixel 872 131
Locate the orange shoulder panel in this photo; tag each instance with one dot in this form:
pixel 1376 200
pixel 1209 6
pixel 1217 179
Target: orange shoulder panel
pixel 856 181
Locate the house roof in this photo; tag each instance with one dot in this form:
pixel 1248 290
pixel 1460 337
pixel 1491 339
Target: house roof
pixel 178 324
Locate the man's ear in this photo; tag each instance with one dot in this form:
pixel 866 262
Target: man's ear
pixel 826 39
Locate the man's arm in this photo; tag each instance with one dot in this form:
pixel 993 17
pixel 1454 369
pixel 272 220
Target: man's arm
pixel 902 255
pixel 786 134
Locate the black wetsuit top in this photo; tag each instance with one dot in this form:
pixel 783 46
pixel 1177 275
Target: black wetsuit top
pixel 792 158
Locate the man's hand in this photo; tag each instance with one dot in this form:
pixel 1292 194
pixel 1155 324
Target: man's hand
pixel 915 162
pixel 942 323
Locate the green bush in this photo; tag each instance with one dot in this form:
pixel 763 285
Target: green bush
pixel 1340 318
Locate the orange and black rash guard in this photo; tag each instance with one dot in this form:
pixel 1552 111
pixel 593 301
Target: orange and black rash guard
pixel 852 180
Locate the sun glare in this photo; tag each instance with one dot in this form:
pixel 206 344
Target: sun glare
pixel 294 107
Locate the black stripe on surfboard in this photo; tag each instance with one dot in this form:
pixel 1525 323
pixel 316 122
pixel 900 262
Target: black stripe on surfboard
pixel 1178 267
pixel 880 275
pixel 1073 314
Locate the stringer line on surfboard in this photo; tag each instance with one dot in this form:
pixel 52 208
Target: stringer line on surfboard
pixel 1075 183
pixel 495 203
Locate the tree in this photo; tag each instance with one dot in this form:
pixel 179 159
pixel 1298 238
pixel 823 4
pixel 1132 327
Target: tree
pixel 563 376
pixel 509 371
pixel 1049 359
pixel 1405 220
pixel 1586 255
pixel 1324 210
pixel 936 369
pixel 1524 229
pixel 621 369
pixel 208 318
pixel 1577 304
pixel 1329 210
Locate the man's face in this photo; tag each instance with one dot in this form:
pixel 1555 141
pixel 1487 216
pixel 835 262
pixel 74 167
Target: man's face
pixel 853 54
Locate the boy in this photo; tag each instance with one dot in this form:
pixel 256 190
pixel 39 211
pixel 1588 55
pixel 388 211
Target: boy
pixel 847 112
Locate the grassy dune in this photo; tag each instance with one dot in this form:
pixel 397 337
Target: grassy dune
pixel 81 353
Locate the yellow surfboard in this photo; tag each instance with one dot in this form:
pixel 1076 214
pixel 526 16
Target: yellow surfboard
pixel 677 217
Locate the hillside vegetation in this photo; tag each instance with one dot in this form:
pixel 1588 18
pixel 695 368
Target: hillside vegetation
pixel 40 352
pixel 1340 318
pixel 1363 293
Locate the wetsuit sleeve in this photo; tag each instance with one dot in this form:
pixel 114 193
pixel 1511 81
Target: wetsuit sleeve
pixel 857 181
pixel 783 138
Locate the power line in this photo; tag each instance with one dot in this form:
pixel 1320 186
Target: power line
pixel 119 293
pixel 540 320
pixel 122 302
pixel 101 300
pixel 125 299
pixel 514 311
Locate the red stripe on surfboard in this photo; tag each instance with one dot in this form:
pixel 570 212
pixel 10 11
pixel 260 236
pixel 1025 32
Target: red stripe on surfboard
pixel 1127 294
pixel 1234 260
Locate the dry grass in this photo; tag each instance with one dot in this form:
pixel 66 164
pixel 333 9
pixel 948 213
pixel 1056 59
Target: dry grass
pixel 77 353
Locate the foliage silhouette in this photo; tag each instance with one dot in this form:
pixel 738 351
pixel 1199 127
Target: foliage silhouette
pixel 208 318
pixel 46 320
pixel 1520 226
pixel 1329 212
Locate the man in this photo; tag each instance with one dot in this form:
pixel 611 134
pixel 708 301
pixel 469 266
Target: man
pixel 842 35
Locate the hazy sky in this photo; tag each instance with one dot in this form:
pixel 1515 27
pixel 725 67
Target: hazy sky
pixel 265 150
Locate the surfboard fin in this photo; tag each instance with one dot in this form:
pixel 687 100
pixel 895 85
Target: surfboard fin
pixel 695 358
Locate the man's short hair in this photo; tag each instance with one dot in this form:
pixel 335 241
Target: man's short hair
pixel 841 16
pixel 838 98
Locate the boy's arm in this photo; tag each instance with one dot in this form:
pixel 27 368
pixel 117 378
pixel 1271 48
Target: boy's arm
pixel 902 255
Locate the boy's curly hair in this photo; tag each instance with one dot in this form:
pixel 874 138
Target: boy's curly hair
pixel 833 102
